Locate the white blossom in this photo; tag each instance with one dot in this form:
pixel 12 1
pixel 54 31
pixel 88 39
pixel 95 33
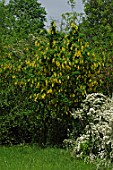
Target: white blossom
pixel 99 129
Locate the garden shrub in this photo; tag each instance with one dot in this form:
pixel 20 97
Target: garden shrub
pixel 68 71
pixel 19 123
pixel 95 140
pixel 44 78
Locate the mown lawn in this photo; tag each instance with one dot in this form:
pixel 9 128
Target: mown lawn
pixel 35 158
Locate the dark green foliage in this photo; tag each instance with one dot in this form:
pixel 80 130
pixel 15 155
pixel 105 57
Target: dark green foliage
pixel 2 18
pixel 19 123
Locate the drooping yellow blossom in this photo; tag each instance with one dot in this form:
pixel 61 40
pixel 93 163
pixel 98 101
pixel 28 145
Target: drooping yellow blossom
pixel 49 91
pixel 43 96
pixel 58 63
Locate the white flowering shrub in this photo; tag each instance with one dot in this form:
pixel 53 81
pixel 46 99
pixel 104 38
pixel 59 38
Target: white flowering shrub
pixel 96 138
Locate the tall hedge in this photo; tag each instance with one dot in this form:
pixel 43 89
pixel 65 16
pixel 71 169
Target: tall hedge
pixel 41 81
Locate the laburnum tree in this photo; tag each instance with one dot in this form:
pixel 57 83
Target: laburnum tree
pixel 25 17
pixel 97 25
pixel 69 17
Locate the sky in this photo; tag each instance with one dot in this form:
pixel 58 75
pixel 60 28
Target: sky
pixel 55 8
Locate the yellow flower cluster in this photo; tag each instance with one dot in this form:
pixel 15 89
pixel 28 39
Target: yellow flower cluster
pixel 59 71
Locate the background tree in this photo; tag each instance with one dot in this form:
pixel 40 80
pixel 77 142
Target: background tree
pixel 3 27
pixel 98 22
pixel 25 17
pixel 97 25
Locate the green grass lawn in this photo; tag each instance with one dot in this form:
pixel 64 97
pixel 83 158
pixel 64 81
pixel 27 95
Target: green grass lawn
pixel 35 158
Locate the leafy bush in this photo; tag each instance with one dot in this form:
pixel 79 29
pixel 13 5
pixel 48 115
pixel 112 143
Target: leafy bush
pixel 19 123
pixel 95 140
